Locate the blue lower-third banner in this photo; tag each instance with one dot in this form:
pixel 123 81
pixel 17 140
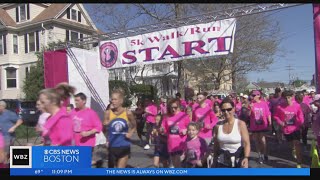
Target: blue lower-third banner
pixel 159 172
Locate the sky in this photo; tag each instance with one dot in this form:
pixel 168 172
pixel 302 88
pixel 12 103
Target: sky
pixel 296 24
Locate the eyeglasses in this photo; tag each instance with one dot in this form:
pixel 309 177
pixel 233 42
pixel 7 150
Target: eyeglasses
pixel 228 109
pixel 254 95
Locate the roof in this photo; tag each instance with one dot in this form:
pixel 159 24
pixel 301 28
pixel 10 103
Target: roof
pixel 252 86
pixel 50 12
pixel 6 19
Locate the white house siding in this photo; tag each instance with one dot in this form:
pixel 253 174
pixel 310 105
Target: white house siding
pixel 83 19
pixel 11 11
pixel 35 10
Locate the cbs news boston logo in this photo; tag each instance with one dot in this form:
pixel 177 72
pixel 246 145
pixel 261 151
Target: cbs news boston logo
pixel 20 156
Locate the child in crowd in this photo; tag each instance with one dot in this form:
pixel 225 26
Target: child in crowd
pixel 160 142
pixel 195 148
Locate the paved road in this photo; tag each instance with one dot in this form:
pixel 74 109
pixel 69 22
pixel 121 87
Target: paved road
pixel 280 155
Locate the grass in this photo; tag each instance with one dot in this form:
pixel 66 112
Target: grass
pixel 23 131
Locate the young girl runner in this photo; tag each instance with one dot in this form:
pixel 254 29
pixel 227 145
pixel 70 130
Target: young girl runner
pixel 160 141
pixel 195 147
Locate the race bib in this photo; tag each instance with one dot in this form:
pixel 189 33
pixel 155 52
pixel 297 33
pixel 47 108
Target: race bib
pixel 259 121
pixel 191 155
pixel 174 130
pixel 291 121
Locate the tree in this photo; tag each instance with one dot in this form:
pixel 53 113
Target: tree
pixel 34 81
pixel 298 83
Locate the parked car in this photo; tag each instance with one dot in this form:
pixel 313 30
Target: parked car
pixel 26 110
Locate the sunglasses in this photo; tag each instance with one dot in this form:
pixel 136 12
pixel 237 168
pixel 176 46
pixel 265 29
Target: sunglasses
pixel 254 95
pixel 225 110
pixel 174 107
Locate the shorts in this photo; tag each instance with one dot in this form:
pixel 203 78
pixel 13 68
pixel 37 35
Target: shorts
pixel 8 141
pixel 116 153
pixel 162 153
pixel 260 131
pixel 176 153
pixel 296 135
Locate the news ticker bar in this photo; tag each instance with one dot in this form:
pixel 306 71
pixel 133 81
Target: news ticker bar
pixel 160 172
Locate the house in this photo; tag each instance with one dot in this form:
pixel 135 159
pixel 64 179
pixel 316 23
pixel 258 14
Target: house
pixel 26 28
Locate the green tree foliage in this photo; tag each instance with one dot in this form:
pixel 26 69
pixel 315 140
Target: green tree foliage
pixel 116 84
pixel 298 83
pixel 144 91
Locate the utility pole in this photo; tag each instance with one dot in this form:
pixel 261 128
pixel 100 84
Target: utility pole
pixel 289 68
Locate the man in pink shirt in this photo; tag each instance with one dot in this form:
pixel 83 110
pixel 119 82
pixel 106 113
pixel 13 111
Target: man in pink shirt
pixel 290 117
pixel 183 103
pixel 206 117
pixel 151 111
pixel 260 120
pixel 86 122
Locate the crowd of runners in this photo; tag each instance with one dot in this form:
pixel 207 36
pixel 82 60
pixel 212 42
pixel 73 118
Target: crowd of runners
pixel 201 132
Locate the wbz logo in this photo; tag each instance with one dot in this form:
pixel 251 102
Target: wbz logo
pixel 20 156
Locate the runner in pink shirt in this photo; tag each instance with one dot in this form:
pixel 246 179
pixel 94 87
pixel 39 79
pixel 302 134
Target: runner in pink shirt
pixel 175 126
pixel 260 120
pixel 59 126
pixel 151 111
pixel 86 122
pixel 238 105
pixel 183 103
pixel 163 106
pixel 195 148
pixel 206 117
pixel 2 152
pixel 290 117
pixel 307 119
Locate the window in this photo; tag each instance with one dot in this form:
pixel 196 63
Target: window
pixel 32 42
pixel 11 77
pixel 15 44
pixel 73 14
pixel 72 35
pixel 27 71
pixel 22 13
pixel 3 49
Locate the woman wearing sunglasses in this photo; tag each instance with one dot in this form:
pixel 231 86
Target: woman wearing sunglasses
pixel 260 121
pixel 175 125
pixel 231 137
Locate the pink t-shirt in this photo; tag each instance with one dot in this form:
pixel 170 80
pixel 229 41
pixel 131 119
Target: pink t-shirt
pixel 173 127
pixel 183 103
pixel 163 108
pixel 238 108
pixel 85 120
pixel 259 116
pixel 153 110
pixel 207 117
pixel 59 128
pixel 307 100
pixel 194 149
pixel 291 115
pixel 209 103
pixel 42 120
pixel 1 141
